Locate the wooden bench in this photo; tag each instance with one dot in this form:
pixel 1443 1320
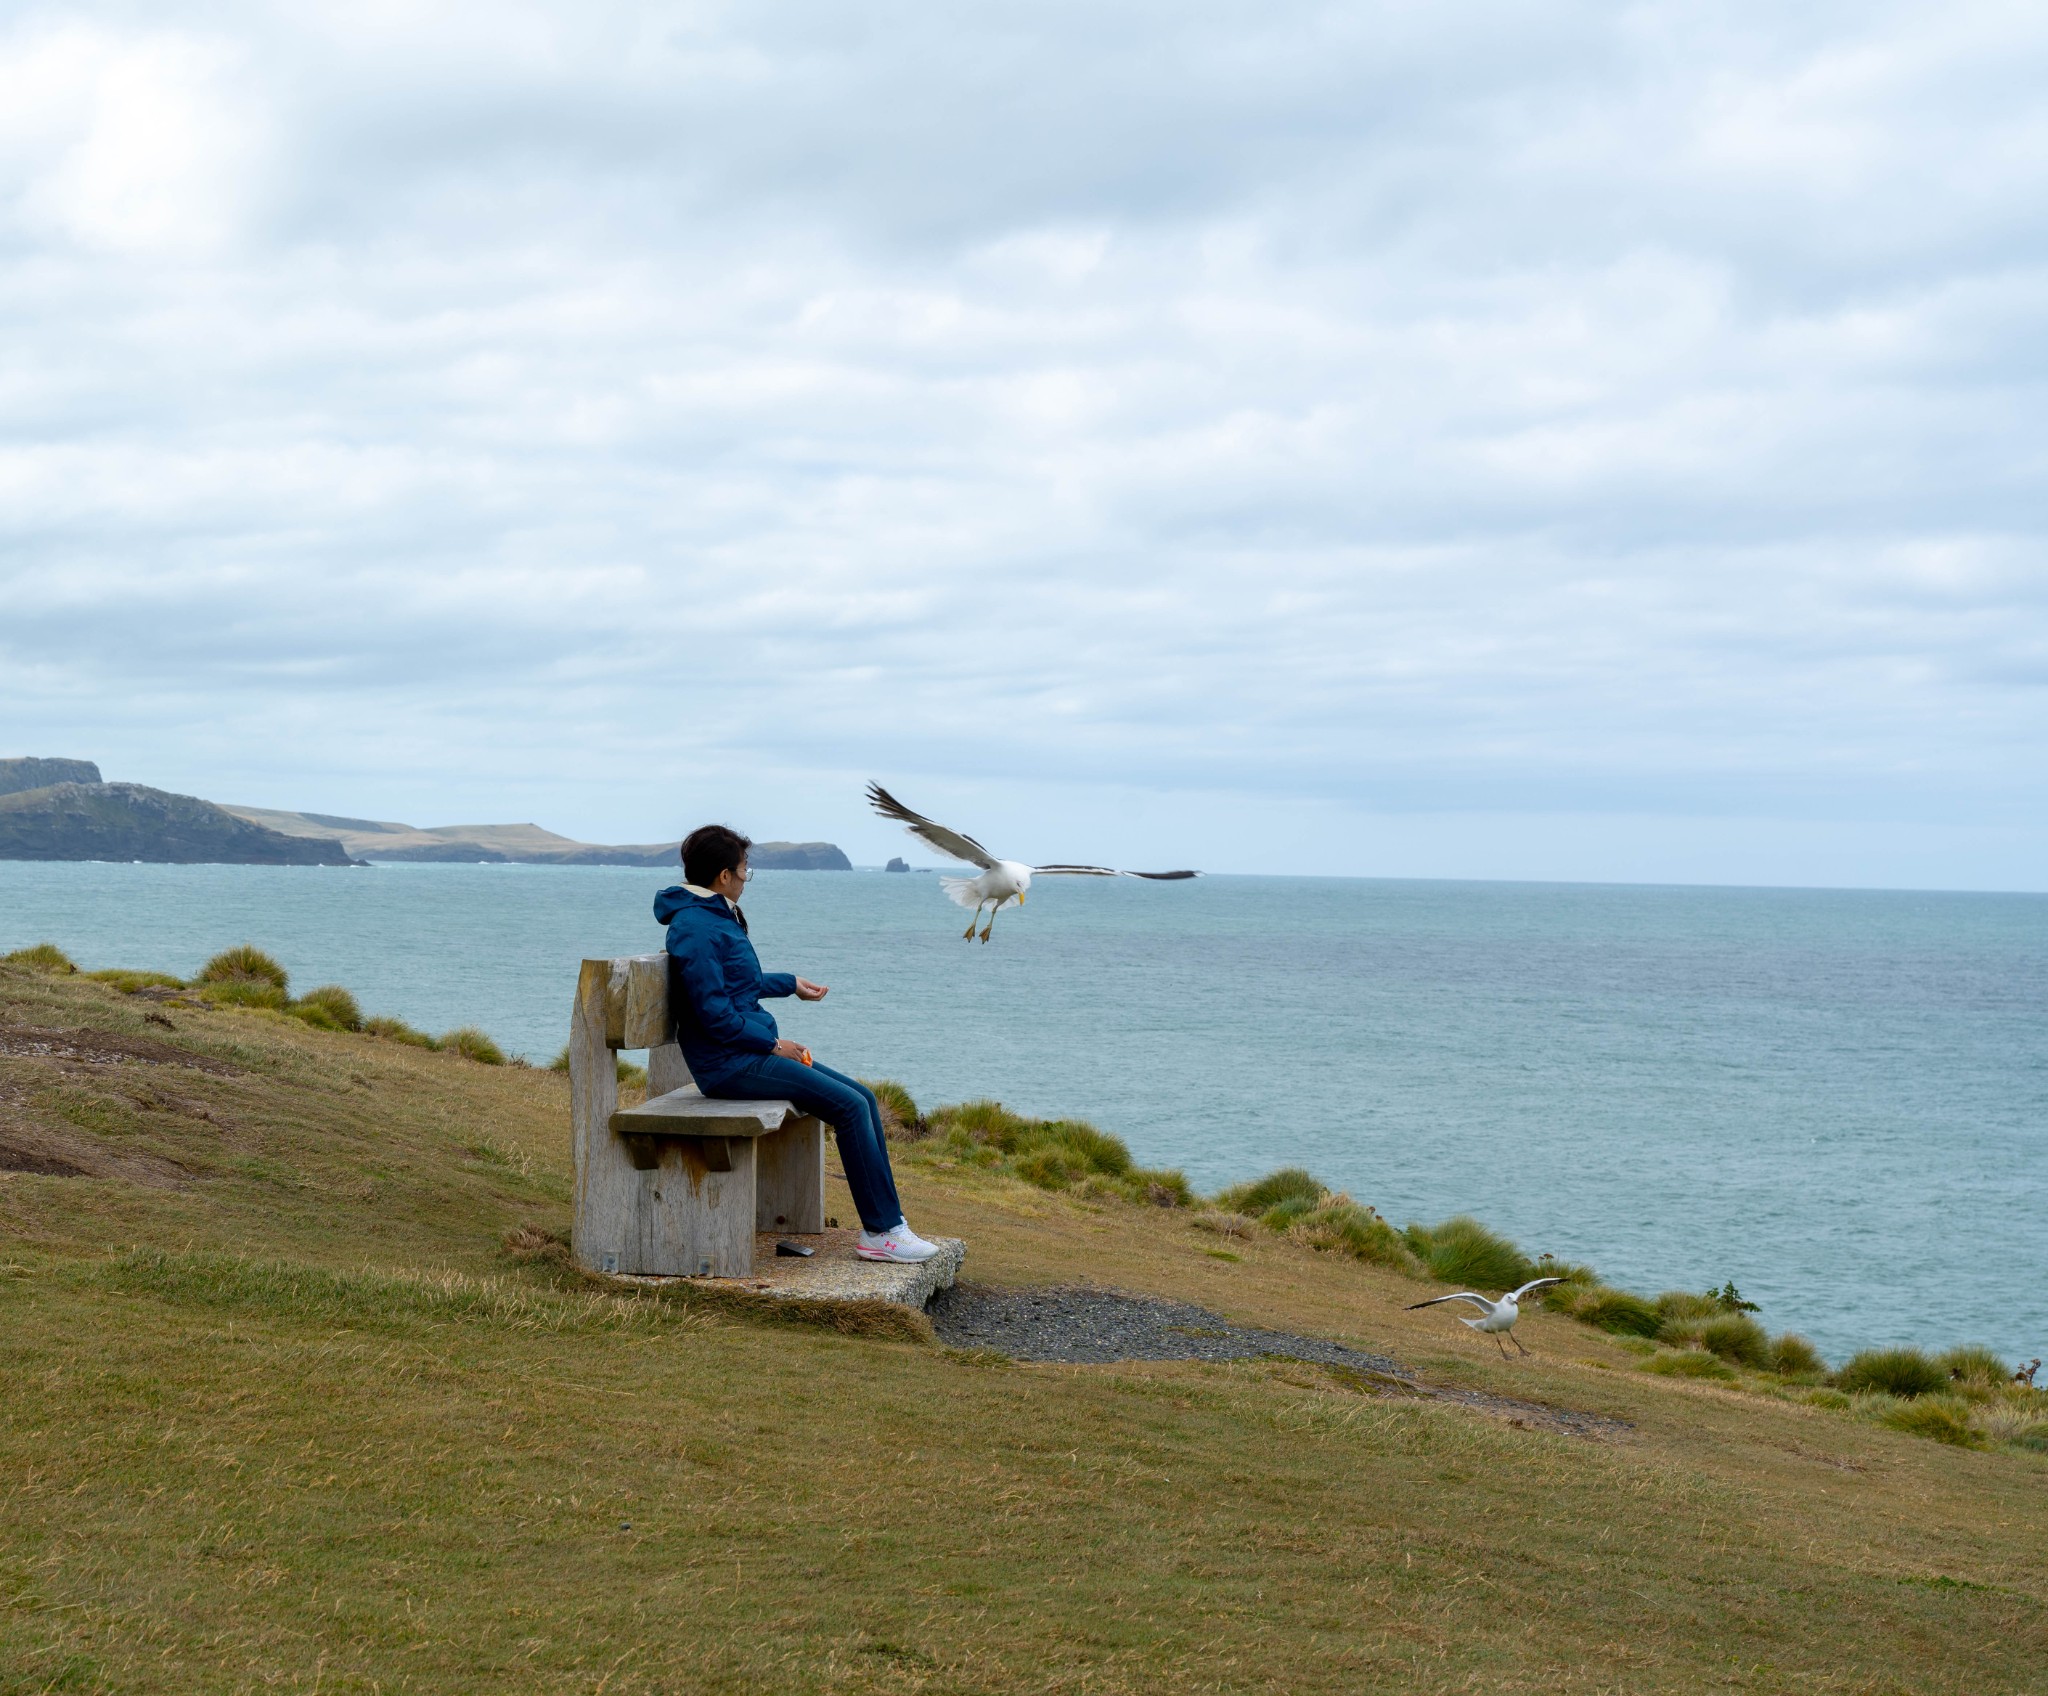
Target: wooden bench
pixel 678 1186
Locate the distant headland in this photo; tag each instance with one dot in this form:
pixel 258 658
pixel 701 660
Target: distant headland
pixel 58 809
pixel 61 810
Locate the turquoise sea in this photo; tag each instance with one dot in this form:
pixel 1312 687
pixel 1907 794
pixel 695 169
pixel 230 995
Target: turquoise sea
pixel 1839 1099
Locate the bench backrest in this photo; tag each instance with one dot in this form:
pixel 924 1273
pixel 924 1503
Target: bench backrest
pixel 635 999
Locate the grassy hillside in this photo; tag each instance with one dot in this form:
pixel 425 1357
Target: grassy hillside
pixel 279 1412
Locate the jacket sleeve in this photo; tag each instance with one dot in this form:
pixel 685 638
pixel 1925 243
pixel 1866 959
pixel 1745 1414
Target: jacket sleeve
pixel 777 983
pixel 705 982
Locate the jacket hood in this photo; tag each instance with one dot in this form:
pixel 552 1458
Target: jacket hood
pixel 676 899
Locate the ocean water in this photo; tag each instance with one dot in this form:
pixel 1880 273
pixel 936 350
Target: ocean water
pixel 1839 1099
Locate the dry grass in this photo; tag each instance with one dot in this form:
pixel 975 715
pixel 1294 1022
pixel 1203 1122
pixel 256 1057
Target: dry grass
pixel 334 1415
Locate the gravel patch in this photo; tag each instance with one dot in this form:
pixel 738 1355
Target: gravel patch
pixel 1095 1327
pixel 1098 1326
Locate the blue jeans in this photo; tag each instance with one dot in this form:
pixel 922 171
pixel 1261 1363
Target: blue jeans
pixel 848 1106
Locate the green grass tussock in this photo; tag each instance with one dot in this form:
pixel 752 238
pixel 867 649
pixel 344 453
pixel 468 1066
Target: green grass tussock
pixel 1053 1154
pixel 1974 1367
pixel 330 1007
pixel 1463 1251
pixel 1677 1306
pixel 473 1044
pixel 1690 1363
pixel 2013 1414
pixel 41 957
pixel 246 976
pixel 1735 1337
pixel 244 964
pixel 1341 1225
pixel 900 1117
pixel 1290 1186
pixel 1792 1356
pixel 1159 1186
pixel 1904 1373
pixel 397 1030
pixel 1945 1419
pixel 1619 1311
pixel 128 982
pixel 628 1073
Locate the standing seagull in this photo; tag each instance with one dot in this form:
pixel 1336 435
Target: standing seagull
pixel 1000 880
pixel 1496 1318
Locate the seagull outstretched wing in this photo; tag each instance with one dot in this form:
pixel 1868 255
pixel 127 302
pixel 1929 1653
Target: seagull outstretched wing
pixel 1104 871
pixel 948 842
pixel 1532 1284
pixel 1477 1301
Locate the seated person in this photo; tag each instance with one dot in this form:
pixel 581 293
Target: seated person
pixel 734 1053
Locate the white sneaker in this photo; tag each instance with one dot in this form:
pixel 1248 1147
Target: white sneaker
pixel 898 1243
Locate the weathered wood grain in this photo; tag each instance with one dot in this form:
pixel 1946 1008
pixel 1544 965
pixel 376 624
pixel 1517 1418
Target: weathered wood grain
pixel 644 1020
pixel 789 1177
pixel 605 1182
pixel 687 1113
pixel 692 1222
pixel 666 1070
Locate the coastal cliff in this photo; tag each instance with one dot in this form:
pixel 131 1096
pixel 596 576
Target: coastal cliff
pixel 129 821
pixel 32 773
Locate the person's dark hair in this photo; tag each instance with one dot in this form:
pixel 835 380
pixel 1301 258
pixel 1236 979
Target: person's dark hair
pixel 711 849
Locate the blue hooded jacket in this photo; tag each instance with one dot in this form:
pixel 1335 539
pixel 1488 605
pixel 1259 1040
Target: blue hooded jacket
pixel 715 986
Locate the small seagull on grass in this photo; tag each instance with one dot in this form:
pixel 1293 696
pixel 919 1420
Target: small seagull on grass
pixel 1496 1318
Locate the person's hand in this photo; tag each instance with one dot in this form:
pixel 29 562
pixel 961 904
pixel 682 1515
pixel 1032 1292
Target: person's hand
pixel 808 991
pixel 789 1050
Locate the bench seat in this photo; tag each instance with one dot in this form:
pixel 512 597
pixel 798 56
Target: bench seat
pixel 688 1112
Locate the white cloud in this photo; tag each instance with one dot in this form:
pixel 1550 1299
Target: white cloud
pixel 1577 411
pixel 135 145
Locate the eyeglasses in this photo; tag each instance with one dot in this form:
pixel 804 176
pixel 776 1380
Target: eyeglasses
pixel 745 872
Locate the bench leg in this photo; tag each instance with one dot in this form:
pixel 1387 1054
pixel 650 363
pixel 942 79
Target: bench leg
pixel 789 1192
pixel 691 1222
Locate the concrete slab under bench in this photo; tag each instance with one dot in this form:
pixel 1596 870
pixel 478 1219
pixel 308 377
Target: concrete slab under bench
pixel 835 1272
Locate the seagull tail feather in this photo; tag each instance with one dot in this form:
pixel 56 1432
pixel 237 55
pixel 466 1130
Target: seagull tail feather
pixel 960 890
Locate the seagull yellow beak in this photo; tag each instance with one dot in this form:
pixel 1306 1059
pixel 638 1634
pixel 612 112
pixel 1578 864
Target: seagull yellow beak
pixel 1020 900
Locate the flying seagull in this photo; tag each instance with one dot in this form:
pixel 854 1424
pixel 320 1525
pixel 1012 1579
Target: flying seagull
pixel 1000 880
pixel 1496 1318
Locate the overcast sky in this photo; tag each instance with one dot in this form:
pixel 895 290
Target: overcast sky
pixel 1505 440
